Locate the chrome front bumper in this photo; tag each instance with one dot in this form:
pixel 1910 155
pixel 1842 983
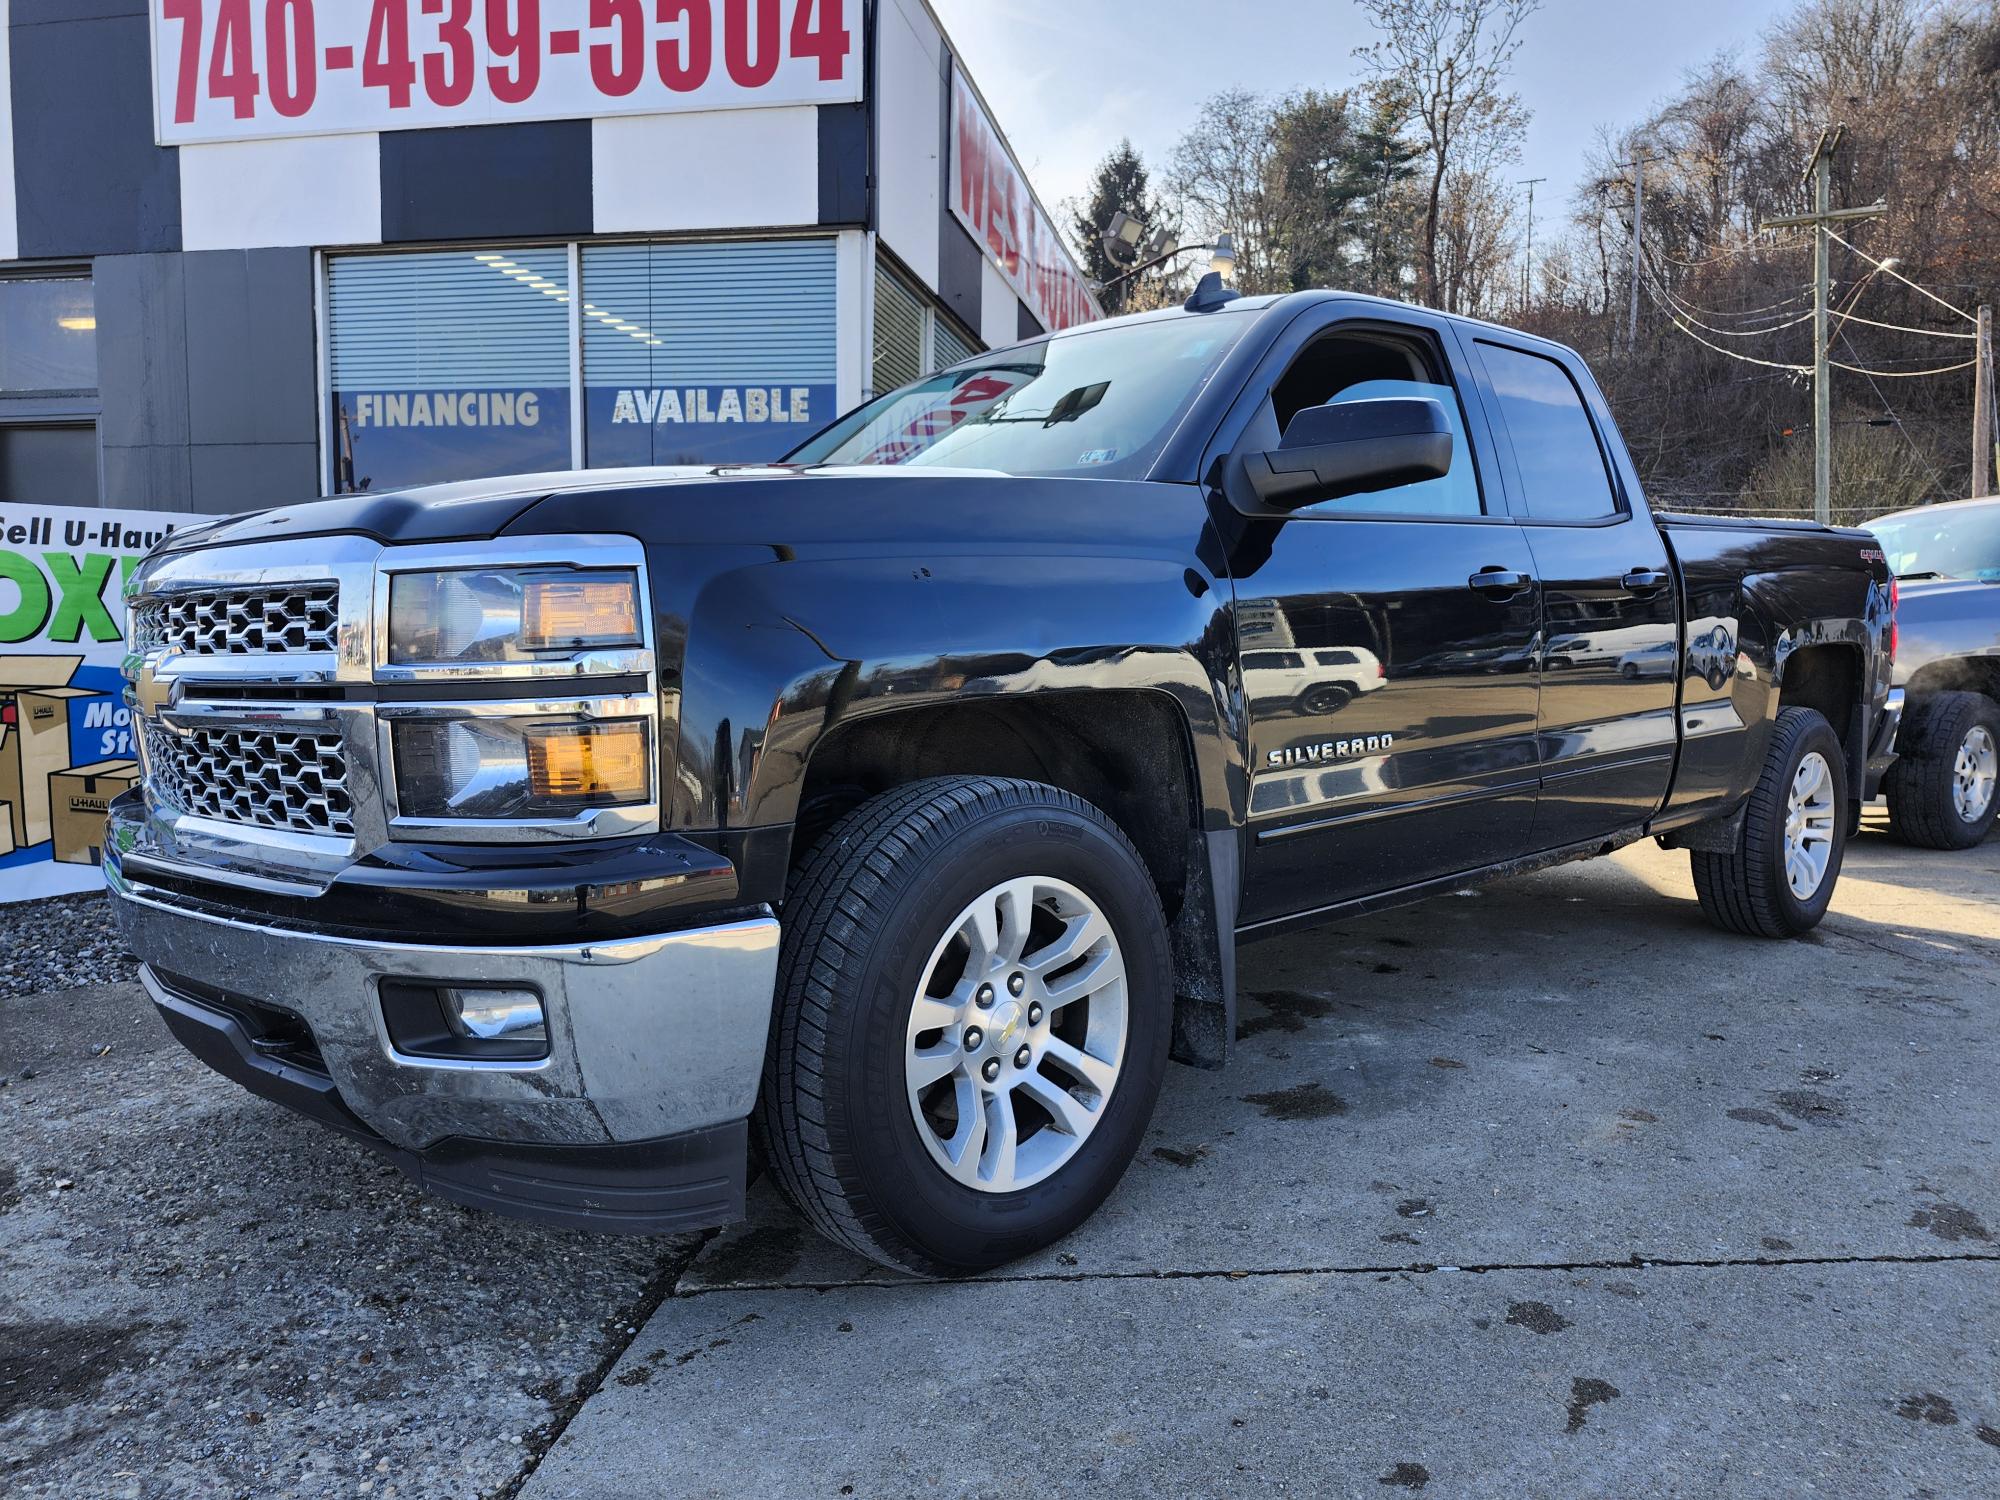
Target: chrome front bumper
pixel 649 1037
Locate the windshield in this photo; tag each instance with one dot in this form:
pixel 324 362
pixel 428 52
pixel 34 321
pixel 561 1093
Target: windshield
pixel 1100 403
pixel 1946 543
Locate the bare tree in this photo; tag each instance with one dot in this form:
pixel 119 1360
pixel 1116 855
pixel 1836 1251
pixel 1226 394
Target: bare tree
pixel 1451 60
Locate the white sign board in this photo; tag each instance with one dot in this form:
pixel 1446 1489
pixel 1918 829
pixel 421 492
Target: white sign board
pixel 65 733
pixel 991 198
pixel 239 70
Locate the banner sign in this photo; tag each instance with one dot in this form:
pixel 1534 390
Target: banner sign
pixel 239 70
pixel 702 424
pixel 65 733
pixel 990 197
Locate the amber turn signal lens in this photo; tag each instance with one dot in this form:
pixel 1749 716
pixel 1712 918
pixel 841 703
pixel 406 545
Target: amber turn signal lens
pixel 560 613
pixel 601 764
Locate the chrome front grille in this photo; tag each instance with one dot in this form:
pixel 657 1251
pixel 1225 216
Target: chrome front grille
pixel 242 622
pixel 295 781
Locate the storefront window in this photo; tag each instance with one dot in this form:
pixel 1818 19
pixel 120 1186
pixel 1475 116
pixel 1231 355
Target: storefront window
pixel 48 335
pixel 707 353
pixel 48 391
pixel 450 364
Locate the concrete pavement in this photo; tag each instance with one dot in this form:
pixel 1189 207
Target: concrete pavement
pixel 1546 1190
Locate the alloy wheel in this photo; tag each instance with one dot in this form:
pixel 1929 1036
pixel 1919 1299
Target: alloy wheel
pixel 1016 1034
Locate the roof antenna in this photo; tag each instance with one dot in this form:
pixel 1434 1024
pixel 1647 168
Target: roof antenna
pixel 1213 291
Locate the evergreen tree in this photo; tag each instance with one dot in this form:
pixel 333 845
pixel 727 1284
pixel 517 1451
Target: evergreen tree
pixel 1121 184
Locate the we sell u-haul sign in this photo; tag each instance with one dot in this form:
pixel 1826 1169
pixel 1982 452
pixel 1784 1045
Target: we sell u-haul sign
pixel 65 734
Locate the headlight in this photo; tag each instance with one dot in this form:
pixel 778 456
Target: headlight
pixel 493 616
pixel 520 768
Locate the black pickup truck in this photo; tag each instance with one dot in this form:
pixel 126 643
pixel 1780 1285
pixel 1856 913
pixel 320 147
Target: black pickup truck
pixel 892 815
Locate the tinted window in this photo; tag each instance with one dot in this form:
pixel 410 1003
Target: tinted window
pixel 1371 367
pixel 1562 469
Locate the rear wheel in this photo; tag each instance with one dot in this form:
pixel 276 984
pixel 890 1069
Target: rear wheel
pixel 972 1023
pixel 1780 877
pixel 1944 789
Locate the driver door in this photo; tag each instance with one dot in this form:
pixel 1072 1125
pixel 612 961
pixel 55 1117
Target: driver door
pixel 1387 645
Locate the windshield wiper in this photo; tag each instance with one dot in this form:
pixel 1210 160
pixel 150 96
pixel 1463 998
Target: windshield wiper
pixel 1920 574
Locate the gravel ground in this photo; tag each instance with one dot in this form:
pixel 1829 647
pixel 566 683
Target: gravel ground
pixel 60 943
pixel 202 1294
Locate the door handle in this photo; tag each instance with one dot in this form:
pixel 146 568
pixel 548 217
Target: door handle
pixel 1498 583
pixel 1644 581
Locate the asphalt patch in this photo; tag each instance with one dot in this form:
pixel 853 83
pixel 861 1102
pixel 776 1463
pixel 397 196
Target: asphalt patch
pixel 1284 1010
pixel 1536 1317
pixel 1951 1222
pixel 1407 1476
pixel 1302 1101
pixel 1585 1393
pixel 1929 1407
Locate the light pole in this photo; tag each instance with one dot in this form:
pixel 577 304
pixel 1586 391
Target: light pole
pixel 1528 265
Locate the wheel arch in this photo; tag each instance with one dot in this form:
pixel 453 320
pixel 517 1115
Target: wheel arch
pixel 1130 752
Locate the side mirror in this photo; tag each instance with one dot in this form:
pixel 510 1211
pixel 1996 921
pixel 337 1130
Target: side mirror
pixel 1351 448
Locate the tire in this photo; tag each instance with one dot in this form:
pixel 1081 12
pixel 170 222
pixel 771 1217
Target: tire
pixel 1749 890
pixel 1940 740
pixel 868 920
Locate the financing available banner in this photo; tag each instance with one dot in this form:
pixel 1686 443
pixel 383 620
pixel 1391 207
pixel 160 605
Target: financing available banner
pixel 65 733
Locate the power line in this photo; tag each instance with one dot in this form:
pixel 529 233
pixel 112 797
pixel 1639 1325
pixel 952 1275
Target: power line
pixel 1936 333
pixel 1883 265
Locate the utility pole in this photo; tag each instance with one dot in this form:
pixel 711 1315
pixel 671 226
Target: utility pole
pixel 1638 164
pixel 1528 266
pixel 1982 408
pixel 1819 172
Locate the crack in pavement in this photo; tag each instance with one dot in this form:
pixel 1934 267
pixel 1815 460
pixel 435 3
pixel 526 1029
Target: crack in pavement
pixel 1414 1268
pixel 659 1289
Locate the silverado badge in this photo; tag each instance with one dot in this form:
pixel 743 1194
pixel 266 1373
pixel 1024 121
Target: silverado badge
pixel 1326 750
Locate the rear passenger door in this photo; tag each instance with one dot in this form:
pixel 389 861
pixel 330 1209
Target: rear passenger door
pixel 1610 648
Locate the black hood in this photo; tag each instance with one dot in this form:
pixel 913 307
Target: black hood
pixel 469 511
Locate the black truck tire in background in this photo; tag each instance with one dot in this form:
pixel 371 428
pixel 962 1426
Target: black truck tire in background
pixel 1746 890
pixel 865 909
pixel 1919 786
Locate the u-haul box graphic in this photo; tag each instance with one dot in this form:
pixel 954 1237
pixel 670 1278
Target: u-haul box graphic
pixel 65 732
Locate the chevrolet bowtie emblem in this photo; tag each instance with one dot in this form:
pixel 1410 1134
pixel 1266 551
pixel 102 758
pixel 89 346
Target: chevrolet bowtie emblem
pixel 150 694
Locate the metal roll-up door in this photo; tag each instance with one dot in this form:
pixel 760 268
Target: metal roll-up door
pixel 449 364
pixel 707 352
pixel 899 332
pixel 949 346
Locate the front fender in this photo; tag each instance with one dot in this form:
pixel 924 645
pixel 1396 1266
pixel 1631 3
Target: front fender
pixel 781 653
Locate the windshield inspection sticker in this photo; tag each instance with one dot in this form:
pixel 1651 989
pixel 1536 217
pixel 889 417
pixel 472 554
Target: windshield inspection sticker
pixel 1097 456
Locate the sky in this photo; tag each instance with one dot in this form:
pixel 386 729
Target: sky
pixel 1068 78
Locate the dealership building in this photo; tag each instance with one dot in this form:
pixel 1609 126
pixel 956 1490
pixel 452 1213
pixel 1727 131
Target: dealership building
pixel 253 251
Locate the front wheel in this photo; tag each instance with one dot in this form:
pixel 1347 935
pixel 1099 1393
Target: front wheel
pixel 1944 789
pixel 973 1007
pixel 1780 877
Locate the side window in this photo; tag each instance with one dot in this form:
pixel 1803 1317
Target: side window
pixel 1367 367
pixel 1563 477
